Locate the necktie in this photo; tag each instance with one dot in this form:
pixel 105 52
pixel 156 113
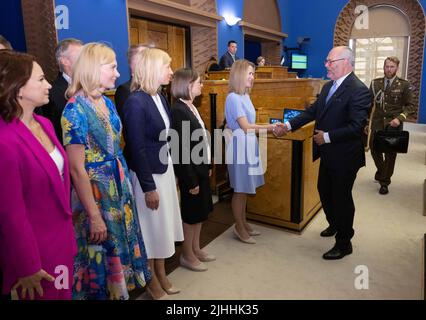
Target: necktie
pixel 387 84
pixel 331 92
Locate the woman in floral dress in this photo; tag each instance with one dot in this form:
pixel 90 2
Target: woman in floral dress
pixel 111 259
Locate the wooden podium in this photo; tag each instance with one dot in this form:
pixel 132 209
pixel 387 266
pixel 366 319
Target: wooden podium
pixel 269 72
pixel 289 197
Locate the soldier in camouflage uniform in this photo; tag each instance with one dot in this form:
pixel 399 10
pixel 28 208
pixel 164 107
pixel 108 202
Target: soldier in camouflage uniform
pixel 394 103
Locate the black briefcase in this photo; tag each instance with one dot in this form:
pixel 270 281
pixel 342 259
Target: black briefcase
pixel 386 141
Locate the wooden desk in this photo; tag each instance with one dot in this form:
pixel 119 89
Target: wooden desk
pixel 289 197
pixel 277 72
pixel 269 72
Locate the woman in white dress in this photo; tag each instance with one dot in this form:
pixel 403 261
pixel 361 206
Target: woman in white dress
pixel 146 120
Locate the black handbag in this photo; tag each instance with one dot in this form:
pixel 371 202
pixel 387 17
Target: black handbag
pixel 386 141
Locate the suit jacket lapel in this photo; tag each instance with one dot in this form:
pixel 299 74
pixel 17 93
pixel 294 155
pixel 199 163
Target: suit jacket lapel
pixel 157 113
pixel 340 90
pixel 46 162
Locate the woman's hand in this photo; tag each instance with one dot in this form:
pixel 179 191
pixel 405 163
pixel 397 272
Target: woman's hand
pixel 98 229
pixel 28 284
pixel 195 190
pixel 152 200
pixel 210 172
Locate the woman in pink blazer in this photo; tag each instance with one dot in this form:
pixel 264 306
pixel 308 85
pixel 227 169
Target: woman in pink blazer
pixel 37 242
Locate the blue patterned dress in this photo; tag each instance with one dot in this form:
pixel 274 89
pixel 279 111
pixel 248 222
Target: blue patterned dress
pixel 119 264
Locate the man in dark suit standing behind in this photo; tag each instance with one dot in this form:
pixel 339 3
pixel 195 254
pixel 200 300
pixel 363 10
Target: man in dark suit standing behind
pixel 66 53
pixel 230 56
pixel 123 91
pixel 340 115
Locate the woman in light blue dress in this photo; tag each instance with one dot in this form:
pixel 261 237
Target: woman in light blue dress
pixel 244 165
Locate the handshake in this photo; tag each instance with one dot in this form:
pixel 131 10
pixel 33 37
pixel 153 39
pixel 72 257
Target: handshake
pixel 279 129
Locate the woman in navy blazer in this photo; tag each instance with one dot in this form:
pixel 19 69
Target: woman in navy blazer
pixel 146 120
pixel 37 241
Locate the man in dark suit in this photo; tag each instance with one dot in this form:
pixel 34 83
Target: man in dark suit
pixel 66 53
pixel 230 56
pixel 340 114
pixel 123 91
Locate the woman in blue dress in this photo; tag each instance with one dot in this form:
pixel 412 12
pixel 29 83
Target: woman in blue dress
pixel 111 257
pixel 244 165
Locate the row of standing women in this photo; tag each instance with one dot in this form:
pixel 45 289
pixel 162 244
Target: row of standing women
pixel 123 223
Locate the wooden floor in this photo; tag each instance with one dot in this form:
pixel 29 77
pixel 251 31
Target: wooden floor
pixel 219 220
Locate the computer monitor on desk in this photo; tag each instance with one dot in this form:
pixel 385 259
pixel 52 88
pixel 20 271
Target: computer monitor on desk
pixel 289 114
pixel 299 61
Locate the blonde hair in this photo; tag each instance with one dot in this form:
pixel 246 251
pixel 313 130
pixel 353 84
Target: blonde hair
pixel 148 75
pixel 238 76
pixel 393 59
pixel 87 69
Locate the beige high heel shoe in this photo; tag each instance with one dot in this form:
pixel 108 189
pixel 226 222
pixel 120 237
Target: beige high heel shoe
pixel 163 297
pixel 186 264
pixel 249 240
pixel 172 290
pixel 207 258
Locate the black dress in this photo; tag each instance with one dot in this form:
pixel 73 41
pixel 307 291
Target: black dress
pixel 194 208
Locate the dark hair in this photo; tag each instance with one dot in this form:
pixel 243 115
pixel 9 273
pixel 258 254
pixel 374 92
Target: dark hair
pixel 15 71
pixel 182 78
pixel 4 42
pixel 231 41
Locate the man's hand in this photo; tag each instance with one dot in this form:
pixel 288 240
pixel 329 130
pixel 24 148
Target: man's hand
pixel 366 130
pixel 195 190
pixel 280 129
pixel 395 123
pixel 319 137
pixel 152 199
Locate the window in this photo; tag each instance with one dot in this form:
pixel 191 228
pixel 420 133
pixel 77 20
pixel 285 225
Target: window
pixel 370 55
pixel 387 34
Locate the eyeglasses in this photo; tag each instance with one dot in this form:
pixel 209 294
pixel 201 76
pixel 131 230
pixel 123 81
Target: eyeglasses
pixel 328 61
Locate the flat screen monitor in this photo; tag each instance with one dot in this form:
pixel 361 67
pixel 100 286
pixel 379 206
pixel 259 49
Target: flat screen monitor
pixel 289 114
pixel 299 61
pixel 274 120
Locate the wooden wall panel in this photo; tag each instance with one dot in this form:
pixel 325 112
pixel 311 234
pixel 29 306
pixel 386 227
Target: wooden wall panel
pixel 166 37
pixel 40 33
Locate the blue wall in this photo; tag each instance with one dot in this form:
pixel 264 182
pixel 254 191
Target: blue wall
pixel 12 25
pixel 314 19
pixel 225 32
pixel 422 109
pixel 100 20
